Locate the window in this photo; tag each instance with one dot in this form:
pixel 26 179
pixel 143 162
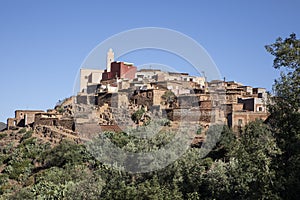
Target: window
pixel 260 108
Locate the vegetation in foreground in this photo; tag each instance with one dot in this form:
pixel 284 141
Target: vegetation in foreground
pixel 261 162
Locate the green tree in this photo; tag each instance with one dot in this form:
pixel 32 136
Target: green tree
pixel 137 115
pixel 249 173
pixel 285 115
pixel 226 143
pixel 168 98
pixel 254 156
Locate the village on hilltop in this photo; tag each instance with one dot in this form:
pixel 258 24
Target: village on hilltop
pixel 122 96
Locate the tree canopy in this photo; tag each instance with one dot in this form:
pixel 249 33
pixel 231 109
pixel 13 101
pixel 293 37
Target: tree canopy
pixel 285 112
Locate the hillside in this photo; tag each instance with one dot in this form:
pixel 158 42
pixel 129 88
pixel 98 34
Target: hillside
pixel 29 160
pixel 34 166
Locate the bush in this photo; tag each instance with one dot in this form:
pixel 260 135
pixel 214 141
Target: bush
pixel 165 122
pixel 23 130
pixel 19 169
pixel 3 178
pixel 67 152
pixel 60 109
pixel 27 135
pixel 199 131
pixel 28 141
pixel 137 115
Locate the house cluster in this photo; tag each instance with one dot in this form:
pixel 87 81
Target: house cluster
pixel 60 116
pixel 109 98
pixel 121 89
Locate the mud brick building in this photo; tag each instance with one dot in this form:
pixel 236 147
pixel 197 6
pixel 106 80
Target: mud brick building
pixel 22 118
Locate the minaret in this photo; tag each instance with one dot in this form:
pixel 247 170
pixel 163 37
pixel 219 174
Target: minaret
pixel 110 58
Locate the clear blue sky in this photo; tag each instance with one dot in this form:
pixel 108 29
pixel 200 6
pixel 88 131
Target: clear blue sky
pixel 43 43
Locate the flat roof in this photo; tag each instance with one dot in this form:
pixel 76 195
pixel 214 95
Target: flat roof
pixel 149 70
pixel 29 111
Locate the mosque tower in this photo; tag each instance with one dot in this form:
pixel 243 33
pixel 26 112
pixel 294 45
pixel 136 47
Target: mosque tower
pixel 110 58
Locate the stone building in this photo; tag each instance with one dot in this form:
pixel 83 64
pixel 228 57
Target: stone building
pixel 109 96
pixel 148 97
pixel 247 107
pixel 239 118
pixel 156 75
pixel 54 119
pixel 253 104
pixel 22 118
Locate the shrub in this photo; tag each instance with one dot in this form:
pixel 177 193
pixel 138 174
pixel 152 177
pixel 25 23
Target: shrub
pixel 27 135
pixel 199 131
pixel 19 169
pixel 23 130
pixel 137 115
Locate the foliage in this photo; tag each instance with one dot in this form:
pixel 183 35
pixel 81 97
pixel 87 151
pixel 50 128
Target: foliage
pixel 253 163
pixel 226 143
pixel 285 113
pixel 163 122
pixel 286 52
pixel 66 153
pixel 168 97
pixel 137 115
pixel 27 135
pixel 59 109
pixel 69 171
pixel 199 131
pixel 22 130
